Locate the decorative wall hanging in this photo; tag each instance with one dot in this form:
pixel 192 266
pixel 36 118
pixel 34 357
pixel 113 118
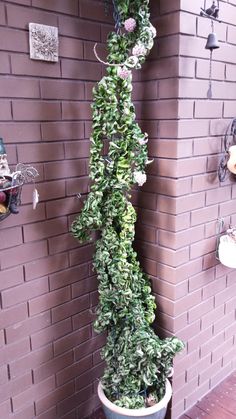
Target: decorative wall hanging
pixel 43 41
pixel 11 184
pixel 212 42
pixel 228 161
pixel 226 245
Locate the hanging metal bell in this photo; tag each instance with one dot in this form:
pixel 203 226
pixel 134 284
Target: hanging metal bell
pixel 212 42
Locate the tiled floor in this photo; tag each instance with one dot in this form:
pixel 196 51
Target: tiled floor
pixel 220 403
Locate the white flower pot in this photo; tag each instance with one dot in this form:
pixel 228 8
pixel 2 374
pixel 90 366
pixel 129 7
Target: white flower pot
pixel 158 411
pixel 227 252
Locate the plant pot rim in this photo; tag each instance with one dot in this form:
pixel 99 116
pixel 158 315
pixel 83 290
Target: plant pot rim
pixel 142 412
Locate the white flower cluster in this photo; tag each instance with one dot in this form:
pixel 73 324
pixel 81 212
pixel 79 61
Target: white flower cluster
pixel 140 178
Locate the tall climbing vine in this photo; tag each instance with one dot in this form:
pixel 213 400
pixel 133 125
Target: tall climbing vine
pixel 137 360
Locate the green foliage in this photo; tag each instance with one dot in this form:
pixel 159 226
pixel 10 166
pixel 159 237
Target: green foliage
pixel 137 360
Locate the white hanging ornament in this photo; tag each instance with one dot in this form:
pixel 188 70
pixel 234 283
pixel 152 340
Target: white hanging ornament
pixel 35 198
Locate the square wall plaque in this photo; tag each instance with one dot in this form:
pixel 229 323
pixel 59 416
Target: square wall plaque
pixel 43 41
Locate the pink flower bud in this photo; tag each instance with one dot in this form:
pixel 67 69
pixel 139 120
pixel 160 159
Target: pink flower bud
pixel 130 24
pixel 123 73
pixel 138 50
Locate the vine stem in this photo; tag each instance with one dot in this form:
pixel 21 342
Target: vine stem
pixel 104 62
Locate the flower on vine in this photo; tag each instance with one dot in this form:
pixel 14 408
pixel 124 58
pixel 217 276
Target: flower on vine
pixel 153 30
pixel 140 178
pixel 139 49
pixel 130 24
pixel 143 141
pixel 123 73
pixel 132 61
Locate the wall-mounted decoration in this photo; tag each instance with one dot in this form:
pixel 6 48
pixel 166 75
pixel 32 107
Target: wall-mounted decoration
pixel 43 41
pixel 11 184
pixel 226 245
pixel 228 161
pixel 212 13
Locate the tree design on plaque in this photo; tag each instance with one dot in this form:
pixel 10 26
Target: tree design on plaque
pixel 43 42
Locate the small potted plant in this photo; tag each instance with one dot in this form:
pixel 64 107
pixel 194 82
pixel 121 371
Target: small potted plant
pixel 138 362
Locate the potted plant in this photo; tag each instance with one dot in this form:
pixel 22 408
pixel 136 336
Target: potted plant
pixel 138 362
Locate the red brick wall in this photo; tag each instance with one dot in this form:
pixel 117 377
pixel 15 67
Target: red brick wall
pixel 180 203
pixel 49 359
pixel 49 355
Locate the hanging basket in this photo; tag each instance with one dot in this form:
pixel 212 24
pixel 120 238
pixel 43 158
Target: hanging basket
pixel 10 193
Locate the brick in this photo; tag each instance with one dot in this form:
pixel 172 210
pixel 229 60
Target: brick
pixel 74 370
pixel 70 7
pixel 10 237
pixel 26 215
pixel 70 308
pixel 87 377
pixel 75 110
pixel 25 413
pixel 34 392
pixel 27 327
pixel 211 344
pixel 97 11
pixel 60 393
pixel 78 28
pixel 51 333
pixel 83 318
pixel 222 323
pixel 55 131
pixel 20 132
pixel 185 303
pixel 197 311
pixel 84 287
pixel 80 70
pixel 5 110
pixel 59 89
pixel 49 414
pixel 202 69
pixel 200 127
pixel 5 408
pixel 62 243
pixel 24 292
pixel 51 264
pixel 45 229
pixel 73 339
pixel 23 254
pixel 204 215
pixel 13 40
pixel 17 87
pixel 58 208
pixel 30 360
pixel 36 110
pixel 12 315
pixel 181 238
pixel 47 191
pixel 208 319
pixel 202 247
pixel 14 350
pixel 52 367
pixel 19 17
pixel 203 29
pixel 14 387
pixel 22 65
pixel 141 90
pixel 83 254
pixel 204 109
pixel 4 63
pixel 11 277
pixel 73 186
pixel 75 400
pixel 64 169
pixel 205 182
pixel 71 48
pixel 67 277
pixel 48 301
